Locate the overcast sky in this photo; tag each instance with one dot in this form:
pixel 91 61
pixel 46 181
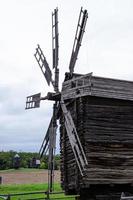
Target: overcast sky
pixel 107 50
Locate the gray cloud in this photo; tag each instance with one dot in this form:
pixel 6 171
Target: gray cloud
pixel 106 50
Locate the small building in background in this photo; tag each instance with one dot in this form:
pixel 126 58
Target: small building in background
pixel 16 161
pixel 38 163
pixel 34 163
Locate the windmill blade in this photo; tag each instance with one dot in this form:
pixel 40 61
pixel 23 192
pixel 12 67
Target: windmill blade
pixel 55 48
pixel 33 101
pixel 45 144
pixel 43 64
pixel 74 139
pixel 78 38
pixel 52 148
pixel 55 38
pixel 49 143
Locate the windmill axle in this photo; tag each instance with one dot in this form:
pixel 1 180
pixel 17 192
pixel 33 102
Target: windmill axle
pixel 53 96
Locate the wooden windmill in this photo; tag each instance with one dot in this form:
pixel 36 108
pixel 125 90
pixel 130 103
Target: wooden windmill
pixel 59 106
pixel 96 131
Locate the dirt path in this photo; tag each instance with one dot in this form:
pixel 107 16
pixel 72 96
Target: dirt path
pixel 27 177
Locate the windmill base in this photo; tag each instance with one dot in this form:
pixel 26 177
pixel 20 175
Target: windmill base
pixel 105 192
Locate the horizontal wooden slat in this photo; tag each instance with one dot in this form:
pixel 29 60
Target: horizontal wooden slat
pixel 98 86
pixel 103 117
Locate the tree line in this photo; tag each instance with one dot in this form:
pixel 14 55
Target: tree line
pixel 26 160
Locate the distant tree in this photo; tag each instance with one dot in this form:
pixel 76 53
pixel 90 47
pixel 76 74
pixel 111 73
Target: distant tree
pixel 6 160
pixel 57 162
pixel 43 165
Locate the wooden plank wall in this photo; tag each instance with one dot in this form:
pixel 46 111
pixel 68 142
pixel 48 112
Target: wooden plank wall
pixel 69 170
pixel 89 85
pixel 105 128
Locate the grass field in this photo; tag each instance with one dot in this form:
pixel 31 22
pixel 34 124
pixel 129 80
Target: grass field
pixel 15 189
pixel 21 170
pixel 26 181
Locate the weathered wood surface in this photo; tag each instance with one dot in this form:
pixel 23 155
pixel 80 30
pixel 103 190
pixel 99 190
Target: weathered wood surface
pixel 97 86
pixel 105 128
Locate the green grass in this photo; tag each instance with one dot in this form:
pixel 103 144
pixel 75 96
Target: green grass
pixel 21 170
pixel 14 189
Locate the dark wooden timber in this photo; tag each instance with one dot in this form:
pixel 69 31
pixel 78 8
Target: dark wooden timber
pixel 102 110
pixel 88 85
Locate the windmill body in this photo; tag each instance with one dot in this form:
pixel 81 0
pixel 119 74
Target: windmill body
pixel 95 115
pixel 101 109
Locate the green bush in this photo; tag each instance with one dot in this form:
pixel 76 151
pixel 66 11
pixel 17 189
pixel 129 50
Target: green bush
pixel 43 165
